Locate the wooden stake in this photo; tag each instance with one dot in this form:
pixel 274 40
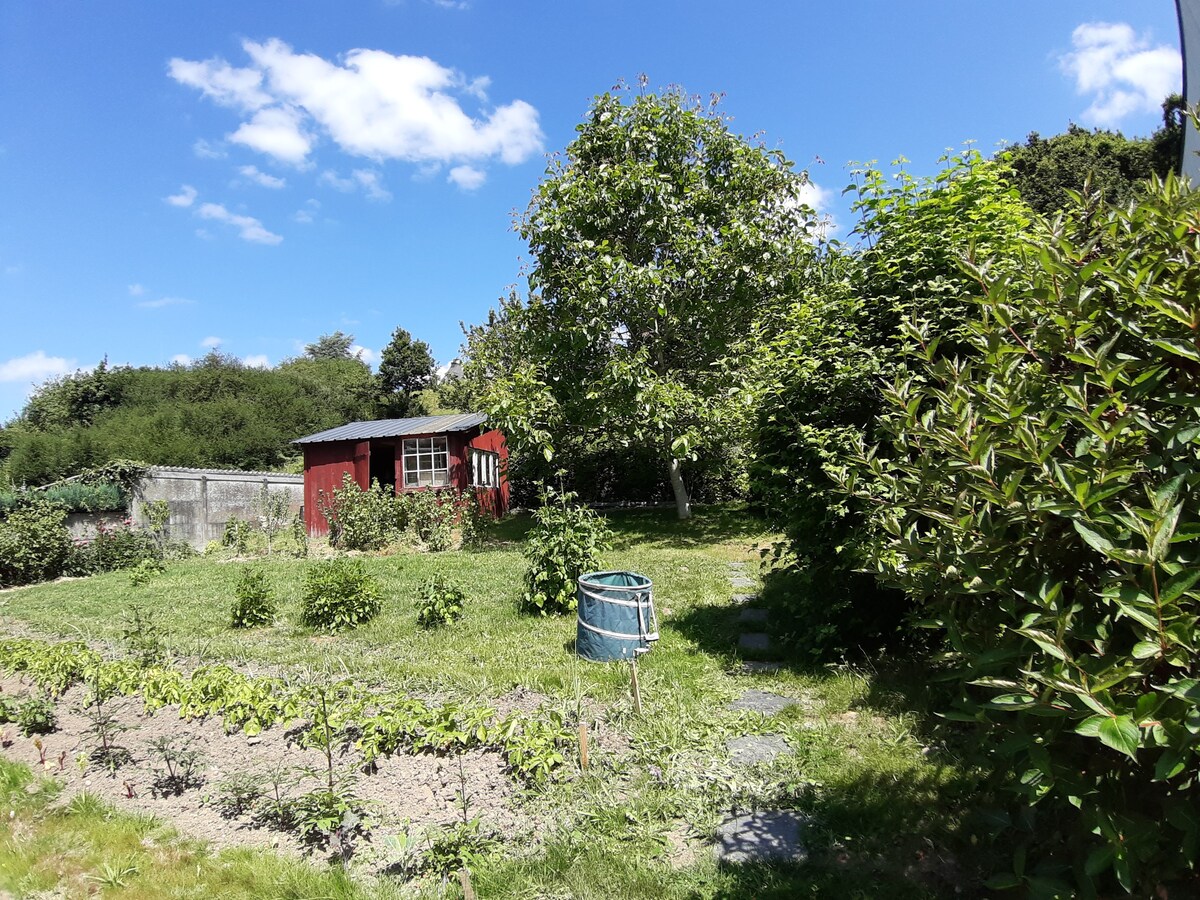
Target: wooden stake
pixel 637 692
pixel 583 746
pixel 464 878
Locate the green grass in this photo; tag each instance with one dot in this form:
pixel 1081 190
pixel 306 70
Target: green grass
pixel 879 805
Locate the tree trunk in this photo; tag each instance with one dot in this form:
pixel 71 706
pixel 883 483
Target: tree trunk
pixel 683 503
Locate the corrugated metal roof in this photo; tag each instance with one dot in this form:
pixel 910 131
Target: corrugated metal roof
pixel 385 428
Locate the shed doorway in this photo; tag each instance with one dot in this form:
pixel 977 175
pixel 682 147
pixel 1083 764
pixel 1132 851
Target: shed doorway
pixel 383 466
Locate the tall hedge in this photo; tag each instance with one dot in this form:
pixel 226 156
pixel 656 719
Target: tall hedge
pixel 1039 496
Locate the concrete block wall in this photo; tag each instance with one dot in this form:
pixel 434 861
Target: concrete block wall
pixel 203 500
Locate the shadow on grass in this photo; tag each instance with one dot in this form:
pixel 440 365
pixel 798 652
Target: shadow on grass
pixel 709 524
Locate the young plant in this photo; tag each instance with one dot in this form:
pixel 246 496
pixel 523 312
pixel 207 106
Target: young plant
pixel 158 516
pixel 236 536
pixel 143 636
pixel 239 793
pixel 145 571
pixel 103 725
pixel 35 715
pixel 272 512
pixel 338 594
pixel 275 808
pixel 254 604
pixel 181 763
pixel 441 602
pixel 564 543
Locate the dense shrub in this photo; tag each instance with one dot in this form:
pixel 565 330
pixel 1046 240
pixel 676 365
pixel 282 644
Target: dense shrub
pixel 254 602
pixel 564 543
pixel 430 516
pixel 440 603
pixel 1040 498
pixel 823 364
pixel 114 547
pixel 236 536
pixel 358 519
pixel 34 543
pixel 338 594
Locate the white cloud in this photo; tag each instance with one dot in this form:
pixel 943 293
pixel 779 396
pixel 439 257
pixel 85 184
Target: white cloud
pixel 208 150
pixel 258 361
pixel 262 178
pixel 372 185
pixel 136 290
pixel 162 302
pixel 249 228
pixel 371 103
pixel 365 354
pixel 35 367
pixel 211 343
pixel 277 132
pixel 308 213
pixel 181 359
pixel 467 177
pixel 367 179
pixel 1121 71
pixel 185 197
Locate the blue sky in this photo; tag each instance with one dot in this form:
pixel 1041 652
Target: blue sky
pixel 250 175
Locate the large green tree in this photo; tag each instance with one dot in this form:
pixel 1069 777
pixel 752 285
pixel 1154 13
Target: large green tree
pixel 406 368
pixel 659 238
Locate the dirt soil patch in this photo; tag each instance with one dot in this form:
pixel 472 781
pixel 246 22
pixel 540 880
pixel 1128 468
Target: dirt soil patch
pixel 422 790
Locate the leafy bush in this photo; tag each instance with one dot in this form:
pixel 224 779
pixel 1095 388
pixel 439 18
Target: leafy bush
pixel 145 571
pixel 826 357
pixel 35 715
pixel 565 542
pixel 236 536
pixel 79 496
pixel 34 543
pixel 358 519
pixel 430 515
pixel 441 602
pixel 254 603
pixel 338 594
pixel 1041 499
pixel 115 547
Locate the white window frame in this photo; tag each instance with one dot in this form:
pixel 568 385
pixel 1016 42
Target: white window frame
pixel 426 462
pixel 485 468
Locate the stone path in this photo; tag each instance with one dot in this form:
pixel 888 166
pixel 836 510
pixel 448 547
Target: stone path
pixel 769 835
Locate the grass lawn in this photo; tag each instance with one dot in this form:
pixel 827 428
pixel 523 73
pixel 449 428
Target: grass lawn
pixel 884 810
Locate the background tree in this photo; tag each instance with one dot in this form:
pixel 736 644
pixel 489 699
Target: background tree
pixel 1045 169
pixel 406 368
pixel 331 346
pixel 658 239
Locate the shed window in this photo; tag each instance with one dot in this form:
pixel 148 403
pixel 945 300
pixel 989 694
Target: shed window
pixel 426 463
pixel 485 468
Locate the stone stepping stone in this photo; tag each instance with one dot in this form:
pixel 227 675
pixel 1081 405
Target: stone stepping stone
pixel 758 641
pixel 763 702
pixel 741 581
pixel 739 599
pixel 738 566
pixel 756 748
pixel 754 616
pixel 759 668
pixel 770 835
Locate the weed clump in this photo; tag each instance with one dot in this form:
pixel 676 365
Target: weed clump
pixel 441 602
pixel 338 594
pixel 254 602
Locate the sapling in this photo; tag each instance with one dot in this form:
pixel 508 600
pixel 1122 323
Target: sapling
pixel 180 765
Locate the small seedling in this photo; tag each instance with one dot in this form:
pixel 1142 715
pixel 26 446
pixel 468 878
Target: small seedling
pixel 144 636
pixel 238 793
pixel 35 715
pixel 181 763
pixel 441 602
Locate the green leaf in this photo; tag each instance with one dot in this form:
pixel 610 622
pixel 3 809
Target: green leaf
pixel 1094 539
pixel 1146 649
pixel 1120 733
pixel 1003 881
pixel 1090 727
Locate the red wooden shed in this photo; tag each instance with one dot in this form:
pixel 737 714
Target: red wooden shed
pixel 429 452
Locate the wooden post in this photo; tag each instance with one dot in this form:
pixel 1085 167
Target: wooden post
pixel 637 692
pixel 464 878
pixel 583 746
